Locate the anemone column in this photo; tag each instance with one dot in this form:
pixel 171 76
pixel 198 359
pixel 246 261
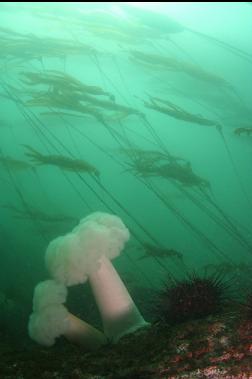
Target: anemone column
pixel 84 334
pixel 119 313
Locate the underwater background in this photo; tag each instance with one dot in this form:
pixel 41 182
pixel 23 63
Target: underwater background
pixel 142 110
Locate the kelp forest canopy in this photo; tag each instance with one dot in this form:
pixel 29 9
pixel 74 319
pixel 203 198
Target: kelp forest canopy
pixel 134 111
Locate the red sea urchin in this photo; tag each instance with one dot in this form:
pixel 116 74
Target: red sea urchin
pixel 192 298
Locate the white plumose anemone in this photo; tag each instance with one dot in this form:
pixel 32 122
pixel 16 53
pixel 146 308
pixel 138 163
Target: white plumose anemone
pixel 85 254
pixel 50 319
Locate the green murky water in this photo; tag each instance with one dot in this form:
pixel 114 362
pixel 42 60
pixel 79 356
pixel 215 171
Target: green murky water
pixel 140 110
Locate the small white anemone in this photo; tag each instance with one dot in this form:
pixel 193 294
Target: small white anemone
pixel 48 324
pixel 48 293
pixel 50 319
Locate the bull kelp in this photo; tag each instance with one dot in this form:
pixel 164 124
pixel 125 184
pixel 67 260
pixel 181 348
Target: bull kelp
pixel 125 158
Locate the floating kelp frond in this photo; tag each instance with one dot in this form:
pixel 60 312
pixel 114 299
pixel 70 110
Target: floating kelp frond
pixel 64 163
pixel 61 114
pixel 65 92
pixel 27 46
pixel 152 19
pixel 244 130
pixel 173 170
pixel 151 250
pixel 173 110
pixel 62 82
pixel 183 174
pixel 151 156
pixel 14 164
pixel 172 64
pixel 158 163
pixel 55 101
pixel 37 214
pixel 163 25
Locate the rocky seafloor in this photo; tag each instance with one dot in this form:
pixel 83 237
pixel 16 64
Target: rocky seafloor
pixel 215 347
